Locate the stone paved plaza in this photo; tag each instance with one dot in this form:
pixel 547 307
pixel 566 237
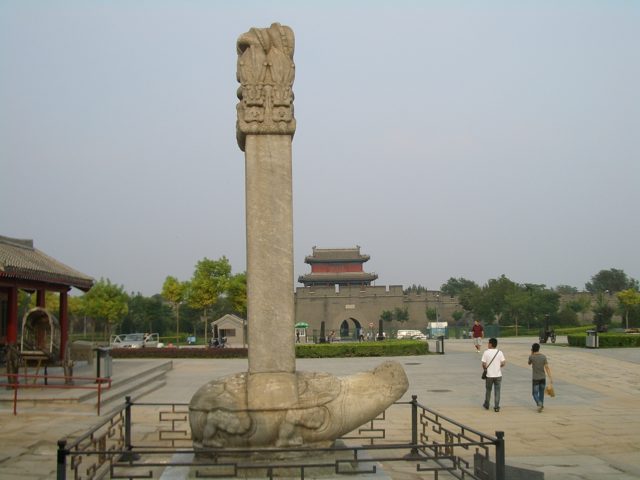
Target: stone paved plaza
pixel 590 430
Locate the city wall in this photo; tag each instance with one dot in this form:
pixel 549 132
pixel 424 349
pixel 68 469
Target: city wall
pixel 362 306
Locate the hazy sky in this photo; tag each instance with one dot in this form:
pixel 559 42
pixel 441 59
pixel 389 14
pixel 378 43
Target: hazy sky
pixel 445 138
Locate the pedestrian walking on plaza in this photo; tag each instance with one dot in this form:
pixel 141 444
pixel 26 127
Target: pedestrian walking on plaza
pixel 539 366
pixel 492 361
pixel 477 332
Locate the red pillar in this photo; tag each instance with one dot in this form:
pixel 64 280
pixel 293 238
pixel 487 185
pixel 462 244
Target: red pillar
pixel 41 299
pixel 12 314
pixel 64 323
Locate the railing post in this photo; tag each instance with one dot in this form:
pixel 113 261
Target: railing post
pixel 62 460
pixel 99 397
pixel 15 396
pixel 414 424
pixel 128 455
pixel 127 423
pixel 500 457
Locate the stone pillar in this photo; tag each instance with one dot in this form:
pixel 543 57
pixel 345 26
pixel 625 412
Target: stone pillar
pixel 270 305
pixel 265 128
pixel 272 404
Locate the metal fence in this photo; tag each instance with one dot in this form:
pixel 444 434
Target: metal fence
pixel 159 440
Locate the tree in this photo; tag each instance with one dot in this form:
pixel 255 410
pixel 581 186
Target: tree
pixel 518 305
pixel 455 286
pixel 51 301
pixel 415 289
pixel 566 289
pixel 147 314
pixel 612 280
pixel 495 295
pixel 432 314
pixel 210 280
pixel 401 314
pixel 476 301
pixel 580 305
pixel 173 292
pixel 237 294
pixel 500 299
pixel 567 316
pixel 543 302
pixel 469 297
pixel 602 312
pixel 76 313
pixel 457 315
pixel 629 299
pixel 386 315
pixel 106 301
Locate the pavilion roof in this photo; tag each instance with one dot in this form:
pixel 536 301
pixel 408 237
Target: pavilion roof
pixel 337 277
pixel 335 255
pixel 21 261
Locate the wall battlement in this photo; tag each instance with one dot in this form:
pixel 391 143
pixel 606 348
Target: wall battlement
pixel 372 291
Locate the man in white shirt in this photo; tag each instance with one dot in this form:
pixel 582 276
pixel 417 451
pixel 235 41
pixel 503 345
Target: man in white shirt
pixel 492 361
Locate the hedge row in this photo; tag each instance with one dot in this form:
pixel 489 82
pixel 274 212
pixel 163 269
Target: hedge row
pixel 606 340
pixel 186 352
pixel 389 348
pixel 325 350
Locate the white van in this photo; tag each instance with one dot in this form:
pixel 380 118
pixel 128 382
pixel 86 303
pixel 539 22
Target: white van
pixel 136 340
pixel 411 334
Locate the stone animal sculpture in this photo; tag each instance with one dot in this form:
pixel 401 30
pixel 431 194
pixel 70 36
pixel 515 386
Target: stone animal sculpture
pixel 327 408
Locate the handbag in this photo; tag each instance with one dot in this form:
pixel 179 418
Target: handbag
pixel 550 391
pixel 484 370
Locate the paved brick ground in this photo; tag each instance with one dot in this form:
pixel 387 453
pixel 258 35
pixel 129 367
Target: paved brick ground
pixel 590 430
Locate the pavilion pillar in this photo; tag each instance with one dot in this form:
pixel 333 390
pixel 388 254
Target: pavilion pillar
pixel 41 298
pixel 63 316
pixel 12 314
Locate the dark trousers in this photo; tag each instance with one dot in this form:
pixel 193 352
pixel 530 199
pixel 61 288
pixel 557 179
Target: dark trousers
pixel 494 382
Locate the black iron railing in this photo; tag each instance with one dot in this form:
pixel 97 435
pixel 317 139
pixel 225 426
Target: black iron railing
pixel 160 439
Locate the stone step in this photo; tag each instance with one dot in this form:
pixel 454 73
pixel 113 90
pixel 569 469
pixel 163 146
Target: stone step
pixel 136 382
pixel 122 387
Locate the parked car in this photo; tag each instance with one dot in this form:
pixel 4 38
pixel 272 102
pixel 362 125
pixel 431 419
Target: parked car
pixel 136 340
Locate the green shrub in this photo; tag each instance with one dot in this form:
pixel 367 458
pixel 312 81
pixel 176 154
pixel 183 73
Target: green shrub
pixel 387 348
pixel 606 340
pixel 611 340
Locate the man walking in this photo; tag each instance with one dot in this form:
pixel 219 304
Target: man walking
pixel 477 332
pixel 492 361
pixel 539 366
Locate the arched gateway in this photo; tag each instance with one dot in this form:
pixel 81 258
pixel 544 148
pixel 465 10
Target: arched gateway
pixel 350 327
